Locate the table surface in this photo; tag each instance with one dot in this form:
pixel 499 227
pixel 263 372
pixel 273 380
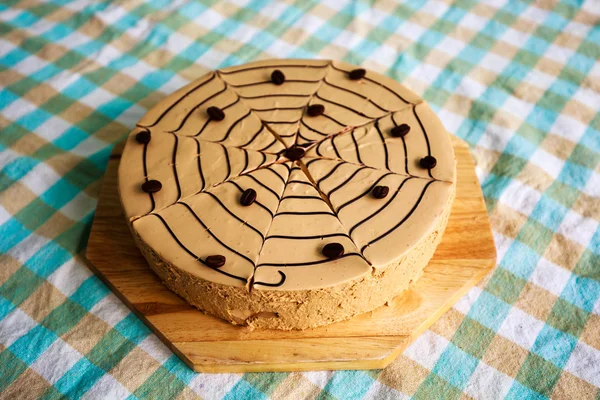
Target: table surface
pixel 519 81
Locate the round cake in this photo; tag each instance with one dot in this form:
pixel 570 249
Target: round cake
pixel 288 194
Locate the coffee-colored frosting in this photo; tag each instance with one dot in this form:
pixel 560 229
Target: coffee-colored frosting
pixel 276 243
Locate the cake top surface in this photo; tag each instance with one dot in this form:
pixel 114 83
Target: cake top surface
pixel 286 174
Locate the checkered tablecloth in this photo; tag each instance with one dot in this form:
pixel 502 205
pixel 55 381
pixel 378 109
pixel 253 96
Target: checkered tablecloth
pixel 519 81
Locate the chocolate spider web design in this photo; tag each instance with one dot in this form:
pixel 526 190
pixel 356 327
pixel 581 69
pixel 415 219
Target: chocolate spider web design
pixel 264 126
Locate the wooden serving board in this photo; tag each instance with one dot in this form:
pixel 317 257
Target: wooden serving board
pixel 372 340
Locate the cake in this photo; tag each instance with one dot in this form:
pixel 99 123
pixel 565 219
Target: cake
pixel 288 194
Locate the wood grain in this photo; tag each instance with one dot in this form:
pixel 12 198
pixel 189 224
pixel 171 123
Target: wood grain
pixel 372 340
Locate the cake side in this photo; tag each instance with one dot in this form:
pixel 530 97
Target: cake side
pixel 300 309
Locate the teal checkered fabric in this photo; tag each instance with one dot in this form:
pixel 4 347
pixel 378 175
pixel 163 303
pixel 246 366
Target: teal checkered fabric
pixel 518 80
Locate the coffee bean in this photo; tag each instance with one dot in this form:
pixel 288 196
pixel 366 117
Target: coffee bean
pixel 216 261
pixel 151 186
pixel 357 74
pixel 315 110
pixel 277 77
pixel 215 113
pixel 294 153
pixel 248 197
pixel 400 130
pixel 143 137
pixel 428 162
pixel 333 250
pixel 380 192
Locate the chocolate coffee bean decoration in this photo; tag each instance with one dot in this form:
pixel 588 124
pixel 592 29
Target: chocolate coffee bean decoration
pixel 380 192
pixel 400 130
pixel 248 197
pixel 215 113
pixel 151 186
pixel 428 162
pixel 277 77
pixel 143 137
pixel 333 250
pixel 216 261
pixel 294 153
pixel 315 110
pixel 357 74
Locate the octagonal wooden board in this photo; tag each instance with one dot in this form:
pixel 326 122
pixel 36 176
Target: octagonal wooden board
pixel 373 340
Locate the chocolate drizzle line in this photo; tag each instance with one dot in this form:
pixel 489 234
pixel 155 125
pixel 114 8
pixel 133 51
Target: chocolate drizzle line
pixel 276 109
pixel 196 107
pixel 356 146
pixel 414 108
pixel 329 235
pixel 348 179
pixel 345 107
pixel 215 236
pixel 335 149
pixel 407 216
pixel 356 94
pixel 245 223
pixel 200 165
pixel 261 205
pixel 191 253
pixel 270 82
pixel 277 175
pixel 179 100
pixel 260 96
pixel 174 162
pixel 281 281
pixel 333 120
pixel 208 120
pixel 301 183
pixel 274 66
pixel 363 194
pixel 384 144
pixel 226 153
pixel 375 82
pixel 405 148
pixel 302 197
pixel 263 185
pixel 253 138
pixel 246 159
pixel 145 166
pixel 234 125
pixel 391 199
pixel 307 263
pixel 306 213
pixel 282 122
